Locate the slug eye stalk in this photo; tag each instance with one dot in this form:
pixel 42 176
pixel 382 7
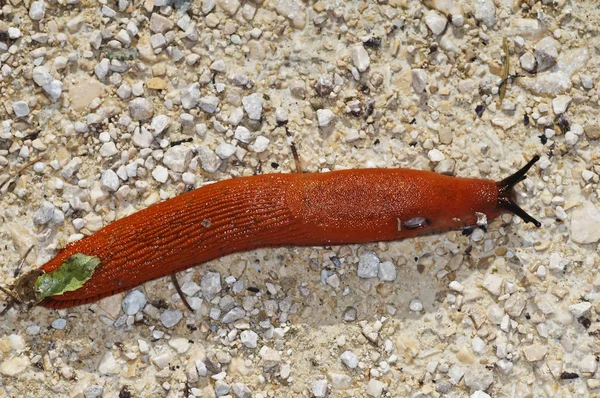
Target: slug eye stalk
pixel 506 193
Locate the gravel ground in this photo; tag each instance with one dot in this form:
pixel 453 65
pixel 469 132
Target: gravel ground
pixel 109 107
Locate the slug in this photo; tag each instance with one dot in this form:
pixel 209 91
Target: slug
pixel 276 210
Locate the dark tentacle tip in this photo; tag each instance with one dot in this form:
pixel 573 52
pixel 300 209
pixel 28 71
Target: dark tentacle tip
pixel 506 194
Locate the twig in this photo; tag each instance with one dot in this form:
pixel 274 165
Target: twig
pixel 15 175
pixel 505 70
pixel 22 261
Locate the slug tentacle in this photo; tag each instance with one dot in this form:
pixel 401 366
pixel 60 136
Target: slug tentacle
pixel 506 194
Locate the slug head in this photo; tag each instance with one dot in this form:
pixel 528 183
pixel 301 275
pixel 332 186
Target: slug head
pixel 506 193
pixel 22 292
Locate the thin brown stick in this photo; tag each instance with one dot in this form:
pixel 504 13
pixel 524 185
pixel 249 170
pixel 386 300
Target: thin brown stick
pixel 294 151
pixel 22 261
pixel 505 70
pixel 15 175
pixel 180 292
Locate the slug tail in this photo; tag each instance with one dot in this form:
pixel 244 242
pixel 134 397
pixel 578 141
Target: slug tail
pixel 506 194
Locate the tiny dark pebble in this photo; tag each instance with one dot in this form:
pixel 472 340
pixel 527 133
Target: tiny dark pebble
pixel 544 139
pixel 253 289
pixel 479 109
pixel 569 375
pixel 526 119
pixel 585 322
pixel 179 142
pixel 336 261
pixel 124 393
pixel 373 42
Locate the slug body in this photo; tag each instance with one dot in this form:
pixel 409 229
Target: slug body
pixel 274 210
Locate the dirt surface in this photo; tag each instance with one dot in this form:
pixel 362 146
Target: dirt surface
pixel 109 107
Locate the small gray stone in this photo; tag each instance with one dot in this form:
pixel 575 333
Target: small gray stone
pixel 37 10
pixel 281 115
pixel 375 388
pixel 208 104
pixel 387 271
pixel 249 338
pixel 478 377
pixel 235 314
pixel 325 117
pixel 368 265
pixel 142 139
pixel 349 359
pixel 133 302
pixel 241 390
pixel 141 109
pixel 485 11
pixel 446 167
pixel 560 104
pixel 101 69
pixel 242 134
pixel 527 62
pixel 170 318
pixel 178 158
pixel 253 106
pixel 160 123
pixel 190 288
pixel 546 53
pixel 108 150
pixel 210 285
pixel 435 21
pixel 44 214
pixel 580 309
pixel 261 143
pixel 360 58
pixel 159 23
pixel 219 66
pixel 71 168
pixel 230 7
pixel 585 224
pixel 209 160
pixel 41 76
pixel 59 324
pixel 53 89
pixel 236 116
pixel 419 80
pixel 190 96
pixel 221 388
pixel 93 392
pixel 20 108
pixel 319 388
pixel 225 150
pixel 160 174
pixel 415 305
pixel 109 181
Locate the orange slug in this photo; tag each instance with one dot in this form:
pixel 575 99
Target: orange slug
pixel 275 210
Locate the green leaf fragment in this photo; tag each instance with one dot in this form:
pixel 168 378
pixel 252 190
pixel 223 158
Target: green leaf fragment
pixel 70 276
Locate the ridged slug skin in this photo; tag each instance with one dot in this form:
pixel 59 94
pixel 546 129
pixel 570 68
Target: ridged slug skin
pixel 273 210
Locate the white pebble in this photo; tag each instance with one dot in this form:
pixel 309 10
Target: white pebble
pixel 349 359
pixel 109 181
pixel 253 106
pixel 456 286
pixel 225 150
pixel 360 58
pixel 261 143
pixel 20 108
pixel 160 174
pixel 324 117
pixel 435 155
pixel 368 265
pixel 416 305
